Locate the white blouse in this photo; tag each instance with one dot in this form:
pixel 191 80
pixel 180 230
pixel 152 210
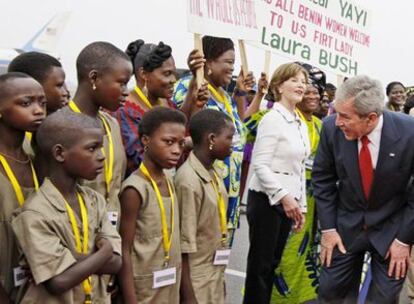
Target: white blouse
pixel 279 154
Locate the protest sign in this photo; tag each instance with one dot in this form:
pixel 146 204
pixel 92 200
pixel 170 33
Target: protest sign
pixel 331 34
pixel 234 19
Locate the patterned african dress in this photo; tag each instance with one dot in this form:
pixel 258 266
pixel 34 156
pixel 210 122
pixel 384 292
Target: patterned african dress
pixel 230 168
pixel 129 117
pixel 297 276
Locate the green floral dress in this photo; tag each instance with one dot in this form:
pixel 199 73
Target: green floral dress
pixel 297 276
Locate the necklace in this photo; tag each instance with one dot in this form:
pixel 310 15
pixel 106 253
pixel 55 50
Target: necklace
pixel 23 162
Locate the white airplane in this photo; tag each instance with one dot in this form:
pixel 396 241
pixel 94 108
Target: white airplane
pixel 45 41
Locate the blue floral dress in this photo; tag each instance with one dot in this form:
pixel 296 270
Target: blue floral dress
pixel 231 166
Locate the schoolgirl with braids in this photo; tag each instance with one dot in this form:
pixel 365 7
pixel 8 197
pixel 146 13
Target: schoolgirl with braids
pixel 155 76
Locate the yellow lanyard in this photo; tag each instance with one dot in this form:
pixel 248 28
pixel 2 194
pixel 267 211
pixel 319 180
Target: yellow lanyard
pixel 313 129
pixel 222 98
pixel 29 136
pixel 143 97
pixel 109 160
pixel 222 210
pixel 166 240
pixel 81 247
pixel 15 183
pixel 109 167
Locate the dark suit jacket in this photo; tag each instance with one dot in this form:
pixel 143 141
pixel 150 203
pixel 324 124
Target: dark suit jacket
pixel 341 204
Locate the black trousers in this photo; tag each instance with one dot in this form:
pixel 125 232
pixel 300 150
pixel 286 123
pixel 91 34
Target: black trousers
pixel 339 284
pixel 268 232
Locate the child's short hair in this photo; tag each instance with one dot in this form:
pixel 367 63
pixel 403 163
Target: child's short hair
pixel 62 127
pixel 4 89
pixel 98 56
pixel 205 122
pixel 153 119
pixel 34 64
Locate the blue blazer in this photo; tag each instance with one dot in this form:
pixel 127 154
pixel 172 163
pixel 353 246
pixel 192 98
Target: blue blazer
pixel 389 211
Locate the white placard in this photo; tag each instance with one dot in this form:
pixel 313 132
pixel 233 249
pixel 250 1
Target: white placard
pixel 235 19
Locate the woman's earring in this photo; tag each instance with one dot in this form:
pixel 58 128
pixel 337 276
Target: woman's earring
pixel 210 147
pixel 145 148
pixel 209 72
pixel 93 86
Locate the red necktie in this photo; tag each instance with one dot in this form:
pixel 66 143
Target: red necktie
pixel 365 166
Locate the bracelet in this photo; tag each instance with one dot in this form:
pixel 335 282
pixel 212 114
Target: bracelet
pixel 239 93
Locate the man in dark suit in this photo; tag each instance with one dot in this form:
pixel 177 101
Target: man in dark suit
pixel 362 178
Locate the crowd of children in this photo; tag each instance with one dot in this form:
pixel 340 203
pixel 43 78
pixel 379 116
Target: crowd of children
pixel 75 228
pixel 114 195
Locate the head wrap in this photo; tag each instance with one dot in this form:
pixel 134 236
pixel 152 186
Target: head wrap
pixel 317 77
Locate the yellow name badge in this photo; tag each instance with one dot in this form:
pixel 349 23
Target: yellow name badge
pixel 222 257
pixel 20 276
pixel 164 277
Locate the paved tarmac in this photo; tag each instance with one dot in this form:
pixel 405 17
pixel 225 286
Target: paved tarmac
pixel 236 270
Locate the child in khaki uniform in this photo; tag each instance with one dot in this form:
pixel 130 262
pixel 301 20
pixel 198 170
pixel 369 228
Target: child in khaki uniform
pixel 103 75
pixel 22 108
pixel 63 229
pixel 48 71
pixel 202 199
pixel 150 220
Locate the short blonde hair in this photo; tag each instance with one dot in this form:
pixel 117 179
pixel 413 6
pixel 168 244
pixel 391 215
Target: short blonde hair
pixel 281 74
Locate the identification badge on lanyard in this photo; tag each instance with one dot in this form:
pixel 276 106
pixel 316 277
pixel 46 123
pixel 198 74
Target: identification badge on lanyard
pixel 20 276
pixel 309 163
pixel 222 257
pixel 165 277
pixel 113 217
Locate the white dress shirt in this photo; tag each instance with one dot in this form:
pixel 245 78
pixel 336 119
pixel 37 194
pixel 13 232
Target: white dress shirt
pixel 374 142
pixel 279 154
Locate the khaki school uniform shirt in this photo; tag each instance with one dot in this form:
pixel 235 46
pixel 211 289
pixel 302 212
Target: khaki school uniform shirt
pixel 148 252
pixel 119 168
pixel 44 232
pixel 200 228
pixel 9 254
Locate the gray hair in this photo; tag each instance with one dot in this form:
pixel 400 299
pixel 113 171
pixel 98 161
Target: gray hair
pixel 368 94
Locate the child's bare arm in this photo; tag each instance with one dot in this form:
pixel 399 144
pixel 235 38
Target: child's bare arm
pixel 130 205
pixel 4 298
pixel 186 289
pixel 113 265
pixel 79 271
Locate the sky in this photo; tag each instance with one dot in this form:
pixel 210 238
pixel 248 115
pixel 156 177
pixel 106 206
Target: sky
pixel 122 21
